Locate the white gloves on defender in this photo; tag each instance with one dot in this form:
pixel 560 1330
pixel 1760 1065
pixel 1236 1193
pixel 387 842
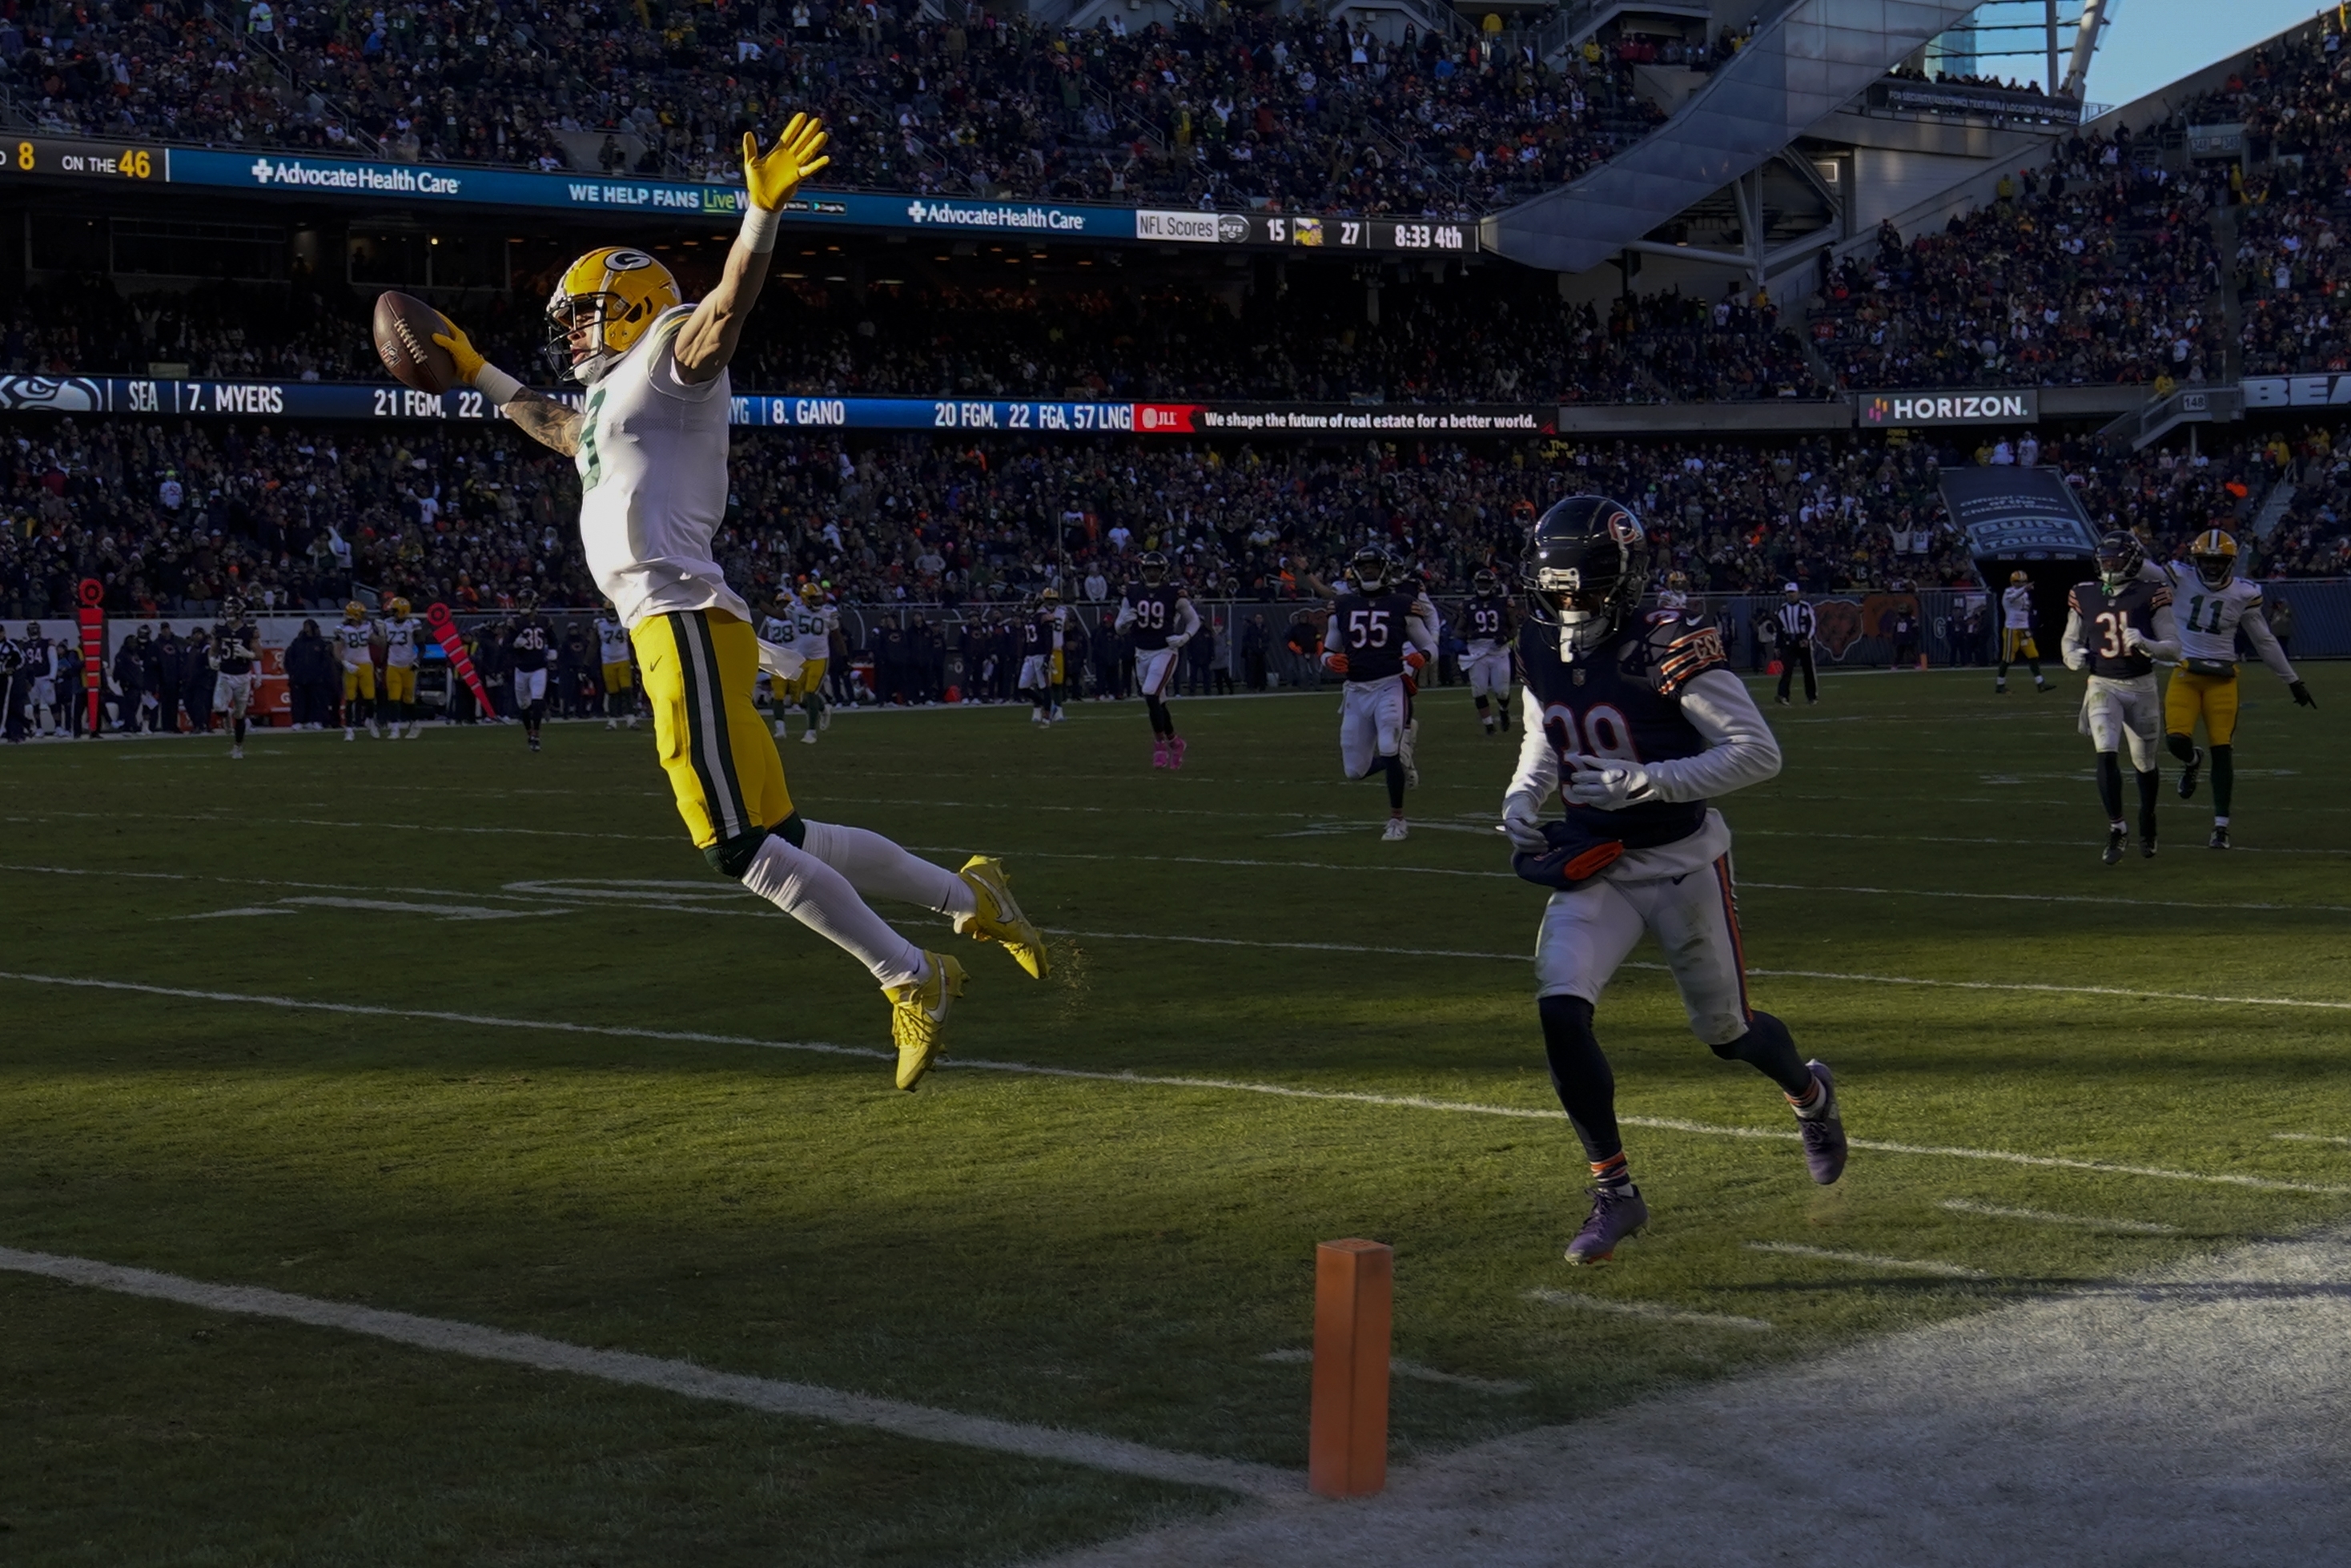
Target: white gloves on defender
pixel 1522 824
pixel 1610 786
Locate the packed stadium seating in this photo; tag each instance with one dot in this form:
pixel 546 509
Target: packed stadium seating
pixel 1233 110
pixel 1511 341
pixel 170 516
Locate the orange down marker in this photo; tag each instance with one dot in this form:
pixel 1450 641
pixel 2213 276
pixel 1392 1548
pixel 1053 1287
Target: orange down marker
pixel 1347 1442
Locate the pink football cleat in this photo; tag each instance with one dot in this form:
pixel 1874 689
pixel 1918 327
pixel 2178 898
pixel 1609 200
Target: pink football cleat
pixel 1175 751
pixel 1159 753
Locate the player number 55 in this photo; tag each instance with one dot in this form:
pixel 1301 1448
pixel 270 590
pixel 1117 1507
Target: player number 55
pixel 1367 628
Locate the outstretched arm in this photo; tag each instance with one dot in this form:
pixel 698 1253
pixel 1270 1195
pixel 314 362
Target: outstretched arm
pixel 544 420
pixel 707 342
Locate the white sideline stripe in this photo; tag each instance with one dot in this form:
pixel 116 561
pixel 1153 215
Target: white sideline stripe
pixel 1869 1259
pixel 2043 1217
pixel 251 880
pixel 2309 1138
pixel 2028 843
pixel 684 1377
pixel 2046 898
pixel 1584 1303
pixel 1414 1371
pixel 1228 1085
pixel 1769 974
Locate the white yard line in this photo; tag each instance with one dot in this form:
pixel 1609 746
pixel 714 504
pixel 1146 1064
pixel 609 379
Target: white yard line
pixel 1869 1259
pixel 2309 1138
pixel 1159 1081
pixel 1414 1371
pixel 1647 1311
pixel 922 1422
pixel 2043 1217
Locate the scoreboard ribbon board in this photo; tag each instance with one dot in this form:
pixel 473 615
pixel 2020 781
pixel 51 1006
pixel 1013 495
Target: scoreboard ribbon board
pixel 384 184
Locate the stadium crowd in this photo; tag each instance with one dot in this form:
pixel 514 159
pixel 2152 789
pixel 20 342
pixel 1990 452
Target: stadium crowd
pixel 1228 109
pixel 1512 342
pixel 173 516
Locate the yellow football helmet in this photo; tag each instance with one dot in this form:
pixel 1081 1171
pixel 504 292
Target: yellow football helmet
pixel 811 592
pixel 2214 552
pixel 354 611
pixel 613 294
pixel 400 610
pixel 1050 596
pixel 2019 578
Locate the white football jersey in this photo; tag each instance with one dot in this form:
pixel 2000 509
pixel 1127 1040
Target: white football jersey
pixel 652 481
pixel 400 640
pixel 812 627
pixel 2208 618
pixel 355 639
pixel 2016 605
pixel 611 641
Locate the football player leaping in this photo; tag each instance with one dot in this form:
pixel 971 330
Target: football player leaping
pixel 651 446
pixel 2109 623
pixel 1161 616
pixel 2205 684
pixel 1377 641
pixel 1492 627
pixel 1636 723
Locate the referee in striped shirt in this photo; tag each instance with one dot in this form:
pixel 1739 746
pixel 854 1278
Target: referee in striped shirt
pixel 1796 628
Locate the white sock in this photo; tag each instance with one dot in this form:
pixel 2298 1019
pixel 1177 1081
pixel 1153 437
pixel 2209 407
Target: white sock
pixel 880 868
pixel 820 898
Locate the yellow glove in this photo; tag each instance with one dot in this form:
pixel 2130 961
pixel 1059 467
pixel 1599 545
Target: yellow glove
pixel 461 348
pixel 775 175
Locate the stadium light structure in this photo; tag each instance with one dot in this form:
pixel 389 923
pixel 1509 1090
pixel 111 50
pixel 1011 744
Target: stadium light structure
pixel 1808 62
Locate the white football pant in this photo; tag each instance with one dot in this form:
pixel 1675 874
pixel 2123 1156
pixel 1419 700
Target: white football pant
pixel 1371 722
pixel 1586 934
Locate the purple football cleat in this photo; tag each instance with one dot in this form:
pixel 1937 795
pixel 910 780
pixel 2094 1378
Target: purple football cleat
pixel 1614 1216
pixel 1824 1135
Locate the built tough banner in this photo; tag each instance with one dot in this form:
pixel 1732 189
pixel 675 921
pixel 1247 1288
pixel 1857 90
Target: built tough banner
pixel 409 188
pixel 2011 513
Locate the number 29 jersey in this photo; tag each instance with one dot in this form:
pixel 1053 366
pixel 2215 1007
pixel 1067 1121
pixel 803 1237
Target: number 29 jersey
pixel 2105 613
pixel 1623 703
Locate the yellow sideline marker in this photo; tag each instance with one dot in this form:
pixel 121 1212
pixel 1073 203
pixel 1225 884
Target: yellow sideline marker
pixel 1347 1442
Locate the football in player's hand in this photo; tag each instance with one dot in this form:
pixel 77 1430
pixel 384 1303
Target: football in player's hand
pixel 404 326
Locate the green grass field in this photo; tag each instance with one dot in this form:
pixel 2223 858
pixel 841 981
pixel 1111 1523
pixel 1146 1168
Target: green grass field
pixel 1110 1257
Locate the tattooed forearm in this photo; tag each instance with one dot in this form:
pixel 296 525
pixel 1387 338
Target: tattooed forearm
pixel 546 421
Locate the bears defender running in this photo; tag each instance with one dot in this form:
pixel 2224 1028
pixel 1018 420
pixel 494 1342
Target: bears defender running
pixel 2205 683
pixel 1162 619
pixel 531 644
pixel 2109 623
pixel 1635 723
pixel 1376 641
pixel 651 446
pixel 1491 627
pixel 236 662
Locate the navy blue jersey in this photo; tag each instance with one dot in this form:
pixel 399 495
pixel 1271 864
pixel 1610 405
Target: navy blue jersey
pixel 1623 703
pixel 529 642
pixel 236 649
pixel 1486 618
pixel 2104 614
pixel 1155 613
pixel 1036 636
pixel 1369 628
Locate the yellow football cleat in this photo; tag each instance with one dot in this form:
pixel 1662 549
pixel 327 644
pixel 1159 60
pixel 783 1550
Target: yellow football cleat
pixel 918 1015
pixel 998 917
